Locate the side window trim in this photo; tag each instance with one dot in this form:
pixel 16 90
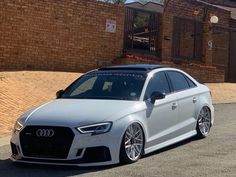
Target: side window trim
pixel 189 80
pixel 169 83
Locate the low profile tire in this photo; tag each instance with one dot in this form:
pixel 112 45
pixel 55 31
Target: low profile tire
pixel 204 123
pixel 132 145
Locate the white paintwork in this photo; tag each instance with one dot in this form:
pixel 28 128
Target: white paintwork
pixel 162 125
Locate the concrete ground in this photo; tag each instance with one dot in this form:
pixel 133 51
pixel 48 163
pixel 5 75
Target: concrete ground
pixel 223 92
pixel 20 91
pixel 214 156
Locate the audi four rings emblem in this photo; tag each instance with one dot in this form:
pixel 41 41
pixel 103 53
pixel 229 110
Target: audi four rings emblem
pixel 45 133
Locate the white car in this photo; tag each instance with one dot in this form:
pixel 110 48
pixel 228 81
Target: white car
pixel 114 114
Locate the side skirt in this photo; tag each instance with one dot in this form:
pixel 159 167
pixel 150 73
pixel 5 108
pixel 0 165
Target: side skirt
pixel 170 142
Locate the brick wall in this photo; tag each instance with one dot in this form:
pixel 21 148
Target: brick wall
pixel 202 73
pixel 217 57
pixel 213 65
pixel 185 8
pixel 223 2
pixel 58 35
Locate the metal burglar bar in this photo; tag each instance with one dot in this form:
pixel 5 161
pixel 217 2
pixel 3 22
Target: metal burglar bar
pixel 232 23
pixel 141 31
pixel 187 39
pixel 198 40
pixel 129 18
pixel 176 38
pixel 153 34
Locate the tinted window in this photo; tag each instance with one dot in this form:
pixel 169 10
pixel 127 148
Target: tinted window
pixel 178 80
pixel 107 85
pixel 190 82
pixel 157 83
pixel 87 85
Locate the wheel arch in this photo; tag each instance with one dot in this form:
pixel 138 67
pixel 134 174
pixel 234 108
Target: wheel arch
pixel 205 101
pixel 142 126
pixel 130 122
pixel 208 107
pixel 122 157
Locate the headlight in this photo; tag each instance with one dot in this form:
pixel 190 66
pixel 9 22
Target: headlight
pixel 18 126
pixel 96 128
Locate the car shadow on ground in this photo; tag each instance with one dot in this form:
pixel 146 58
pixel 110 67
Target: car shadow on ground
pixel 9 169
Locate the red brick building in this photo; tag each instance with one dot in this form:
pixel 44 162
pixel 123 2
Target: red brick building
pixel 65 35
pixel 183 37
pixel 229 3
pixel 78 35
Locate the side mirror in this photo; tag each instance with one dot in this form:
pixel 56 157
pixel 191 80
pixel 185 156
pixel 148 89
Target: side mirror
pixel 157 96
pixel 59 93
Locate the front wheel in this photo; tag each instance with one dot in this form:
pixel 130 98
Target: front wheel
pixel 204 122
pixel 132 145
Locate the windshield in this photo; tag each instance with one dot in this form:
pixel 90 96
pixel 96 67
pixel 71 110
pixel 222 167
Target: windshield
pixel 115 86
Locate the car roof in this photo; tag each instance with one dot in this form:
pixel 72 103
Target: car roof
pixel 136 67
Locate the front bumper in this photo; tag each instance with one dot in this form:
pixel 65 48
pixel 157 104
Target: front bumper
pixel 85 150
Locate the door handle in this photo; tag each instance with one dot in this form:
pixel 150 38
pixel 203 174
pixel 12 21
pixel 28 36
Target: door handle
pixel 174 106
pixel 194 99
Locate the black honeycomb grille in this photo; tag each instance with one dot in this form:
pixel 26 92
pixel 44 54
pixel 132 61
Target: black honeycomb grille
pixel 57 146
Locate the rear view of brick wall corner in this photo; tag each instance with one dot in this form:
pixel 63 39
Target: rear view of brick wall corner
pixel 67 35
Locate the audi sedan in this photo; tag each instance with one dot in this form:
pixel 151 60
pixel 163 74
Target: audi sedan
pixel 114 115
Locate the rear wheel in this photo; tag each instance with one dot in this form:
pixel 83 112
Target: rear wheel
pixel 132 145
pixel 204 122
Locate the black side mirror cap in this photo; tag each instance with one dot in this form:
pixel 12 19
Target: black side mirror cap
pixel 59 93
pixel 157 96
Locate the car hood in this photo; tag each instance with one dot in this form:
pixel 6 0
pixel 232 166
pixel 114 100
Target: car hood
pixel 79 112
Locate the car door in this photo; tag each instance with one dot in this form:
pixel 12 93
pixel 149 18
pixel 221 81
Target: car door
pixel 187 99
pixel 162 115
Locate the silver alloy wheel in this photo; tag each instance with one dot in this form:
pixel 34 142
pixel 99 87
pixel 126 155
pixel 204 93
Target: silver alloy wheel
pixel 134 142
pixel 204 121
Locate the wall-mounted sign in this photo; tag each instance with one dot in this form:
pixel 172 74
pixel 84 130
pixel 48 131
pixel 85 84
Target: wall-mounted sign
pixel 210 45
pixel 110 26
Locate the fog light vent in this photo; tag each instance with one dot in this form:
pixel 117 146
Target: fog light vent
pixel 79 152
pixel 14 149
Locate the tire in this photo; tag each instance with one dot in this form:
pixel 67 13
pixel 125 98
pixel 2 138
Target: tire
pixel 204 123
pixel 132 145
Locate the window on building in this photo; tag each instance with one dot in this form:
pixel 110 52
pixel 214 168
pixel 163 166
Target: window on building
pixel 141 31
pixel 187 39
